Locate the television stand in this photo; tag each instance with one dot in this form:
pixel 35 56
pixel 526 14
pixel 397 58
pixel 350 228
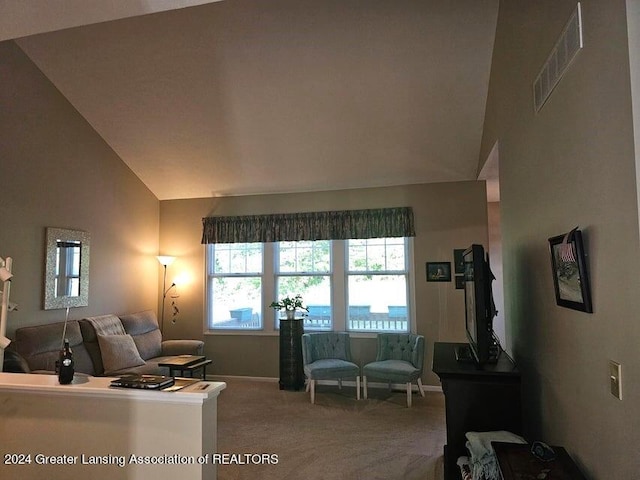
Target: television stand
pixel 477 398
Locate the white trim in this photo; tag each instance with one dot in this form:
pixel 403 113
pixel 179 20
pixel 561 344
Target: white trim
pixel 99 387
pixel 222 378
pixel 401 387
pixel 350 383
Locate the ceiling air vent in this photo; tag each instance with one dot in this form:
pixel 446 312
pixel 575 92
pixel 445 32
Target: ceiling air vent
pixel 558 61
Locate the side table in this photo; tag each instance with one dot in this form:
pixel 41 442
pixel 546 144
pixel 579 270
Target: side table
pixel 291 368
pixel 186 363
pixel 517 462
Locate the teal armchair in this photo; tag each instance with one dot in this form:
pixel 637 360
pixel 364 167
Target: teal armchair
pixel 327 356
pixel 399 359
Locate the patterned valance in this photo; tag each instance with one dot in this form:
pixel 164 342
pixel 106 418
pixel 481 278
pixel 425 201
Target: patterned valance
pixel 372 223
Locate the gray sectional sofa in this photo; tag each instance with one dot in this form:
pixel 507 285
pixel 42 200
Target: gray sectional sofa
pixel 103 345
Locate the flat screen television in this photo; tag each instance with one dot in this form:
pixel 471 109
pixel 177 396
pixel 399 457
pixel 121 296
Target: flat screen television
pixel 479 306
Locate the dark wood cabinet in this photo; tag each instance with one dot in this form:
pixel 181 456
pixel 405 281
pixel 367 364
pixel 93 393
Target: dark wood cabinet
pixel 477 398
pixel 291 368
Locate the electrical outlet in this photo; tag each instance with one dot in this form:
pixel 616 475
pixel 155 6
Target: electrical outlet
pixel 615 376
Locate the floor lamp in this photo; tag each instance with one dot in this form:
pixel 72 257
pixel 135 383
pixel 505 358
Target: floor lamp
pixel 165 260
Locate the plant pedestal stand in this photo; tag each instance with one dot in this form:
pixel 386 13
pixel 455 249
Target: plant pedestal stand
pixel 291 368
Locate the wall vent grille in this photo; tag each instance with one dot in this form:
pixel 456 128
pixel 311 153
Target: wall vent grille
pixel 558 61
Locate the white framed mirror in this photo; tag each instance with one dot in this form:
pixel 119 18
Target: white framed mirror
pixel 66 282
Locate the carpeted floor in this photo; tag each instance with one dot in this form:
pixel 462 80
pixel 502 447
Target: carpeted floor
pixel 337 438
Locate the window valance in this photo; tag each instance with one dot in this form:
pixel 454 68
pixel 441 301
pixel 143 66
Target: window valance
pixel 337 225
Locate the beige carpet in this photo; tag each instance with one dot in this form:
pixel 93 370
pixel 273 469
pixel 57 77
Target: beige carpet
pixel 337 438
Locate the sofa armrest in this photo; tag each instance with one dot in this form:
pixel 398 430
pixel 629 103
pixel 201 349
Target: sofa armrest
pixel 15 363
pixel 182 347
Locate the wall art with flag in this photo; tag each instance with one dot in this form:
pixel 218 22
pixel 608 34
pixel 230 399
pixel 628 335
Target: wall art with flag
pixel 569 267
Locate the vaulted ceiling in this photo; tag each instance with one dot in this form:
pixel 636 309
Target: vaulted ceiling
pixel 262 96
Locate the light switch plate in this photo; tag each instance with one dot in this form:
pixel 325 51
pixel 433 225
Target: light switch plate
pixel 615 376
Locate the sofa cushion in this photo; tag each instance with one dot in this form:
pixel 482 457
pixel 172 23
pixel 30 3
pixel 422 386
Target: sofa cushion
pixel 118 352
pixel 143 327
pixel 40 345
pixel 90 327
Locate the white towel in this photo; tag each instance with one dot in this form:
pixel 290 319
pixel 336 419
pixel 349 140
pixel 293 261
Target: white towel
pixel 483 459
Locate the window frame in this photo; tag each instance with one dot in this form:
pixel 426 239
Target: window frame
pixel 277 274
pixel 211 276
pixel 406 272
pixel 338 279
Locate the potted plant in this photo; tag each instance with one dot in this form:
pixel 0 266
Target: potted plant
pixel 290 305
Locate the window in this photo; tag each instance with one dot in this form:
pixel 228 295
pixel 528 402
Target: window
pixel 354 285
pixel 305 268
pixel 234 286
pixel 377 284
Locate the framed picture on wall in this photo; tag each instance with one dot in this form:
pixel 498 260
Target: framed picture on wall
pixel 569 267
pixel 438 271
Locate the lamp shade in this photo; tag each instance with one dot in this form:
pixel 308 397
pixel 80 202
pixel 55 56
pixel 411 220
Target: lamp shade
pixel 165 259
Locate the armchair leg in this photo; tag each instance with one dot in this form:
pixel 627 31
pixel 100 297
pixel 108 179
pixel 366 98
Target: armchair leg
pixel 358 387
pixel 409 394
pixel 307 385
pixel 364 386
pixel 420 386
pixel 313 390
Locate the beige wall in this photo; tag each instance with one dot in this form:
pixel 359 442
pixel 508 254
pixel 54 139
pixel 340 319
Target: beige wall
pixel 447 216
pixel 571 164
pixel 55 171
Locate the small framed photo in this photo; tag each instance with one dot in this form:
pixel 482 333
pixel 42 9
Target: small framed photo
pixel 459 282
pixel 458 260
pixel 569 267
pixel 438 271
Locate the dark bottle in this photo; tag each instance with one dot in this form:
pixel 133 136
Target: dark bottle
pixel 65 373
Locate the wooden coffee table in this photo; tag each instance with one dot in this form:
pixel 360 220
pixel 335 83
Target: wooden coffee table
pixel 186 364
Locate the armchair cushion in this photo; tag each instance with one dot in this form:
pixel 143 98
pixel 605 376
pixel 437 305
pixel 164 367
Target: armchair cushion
pixel 331 368
pixel 401 346
pixel 399 358
pixel 392 371
pixel 318 346
pixel 327 355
